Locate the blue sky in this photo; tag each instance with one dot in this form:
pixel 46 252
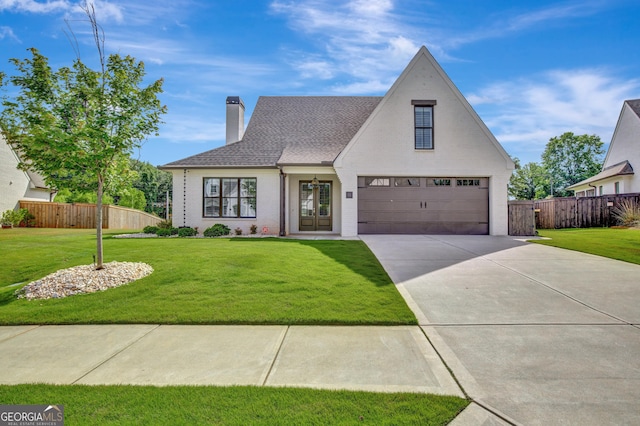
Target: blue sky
pixel 531 69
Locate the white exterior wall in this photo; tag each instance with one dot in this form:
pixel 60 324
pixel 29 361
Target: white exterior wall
pixel 626 184
pixel 625 145
pixel 463 146
pixel 15 184
pixel 188 208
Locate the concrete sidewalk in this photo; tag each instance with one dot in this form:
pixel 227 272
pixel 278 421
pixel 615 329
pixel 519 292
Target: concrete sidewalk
pixel 536 334
pixel 369 358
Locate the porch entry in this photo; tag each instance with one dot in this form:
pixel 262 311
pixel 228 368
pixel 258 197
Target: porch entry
pixel 315 205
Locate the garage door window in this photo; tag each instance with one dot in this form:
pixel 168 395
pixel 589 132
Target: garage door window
pixel 374 181
pixel 409 182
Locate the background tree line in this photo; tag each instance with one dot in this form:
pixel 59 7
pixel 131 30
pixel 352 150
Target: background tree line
pixel 566 160
pixel 145 190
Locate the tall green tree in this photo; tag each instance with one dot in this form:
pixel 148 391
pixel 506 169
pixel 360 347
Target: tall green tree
pixel 529 182
pixel 570 159
pixel 154 183
pixel 77 126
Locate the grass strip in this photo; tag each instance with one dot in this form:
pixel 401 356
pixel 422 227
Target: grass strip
pixel 615 243
pixel 246 405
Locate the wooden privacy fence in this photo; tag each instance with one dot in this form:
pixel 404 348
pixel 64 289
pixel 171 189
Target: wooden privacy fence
pixel 522 218
pixel 582 212
pixel 83 216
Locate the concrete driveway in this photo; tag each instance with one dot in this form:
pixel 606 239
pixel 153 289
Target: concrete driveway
pixel 535 335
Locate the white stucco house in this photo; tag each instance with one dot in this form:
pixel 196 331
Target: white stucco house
pixel 418 160
pixel 617 175
pixel 15 184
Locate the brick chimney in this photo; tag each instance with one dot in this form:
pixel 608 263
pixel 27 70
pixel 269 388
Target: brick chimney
pixel 235 119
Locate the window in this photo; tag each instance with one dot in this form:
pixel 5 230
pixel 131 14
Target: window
pixel 441 182
pixel 378 182
pixel 414 182
pixel 617 187
pixel 229 197
pixel 468 182
pixel 424 126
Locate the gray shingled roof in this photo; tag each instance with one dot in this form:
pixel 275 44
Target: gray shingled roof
pixel 291 130
pixel 622 168
pixel 635 105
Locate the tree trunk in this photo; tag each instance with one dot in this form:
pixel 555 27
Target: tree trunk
pixel 99 224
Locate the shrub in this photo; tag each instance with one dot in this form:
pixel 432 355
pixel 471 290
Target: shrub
pixel 167 232
pixel 627 213
pixel 253 229
pixel 217 230
pixel 187 232
pixel 28 220
pixel 238 231
pixel 165 224
pixel 13 217
pixel 150 230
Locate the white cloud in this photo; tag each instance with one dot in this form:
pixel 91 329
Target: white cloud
pixel 525 113
pixel 505 24
pixel 7 32
pixel 32 6
pixel 352 38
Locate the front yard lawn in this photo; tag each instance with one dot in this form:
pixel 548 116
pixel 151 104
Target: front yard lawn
pixel 615 243
pixel 203 281
pixel 239 405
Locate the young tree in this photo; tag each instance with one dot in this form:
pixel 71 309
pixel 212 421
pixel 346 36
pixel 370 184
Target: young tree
pixel 78 127
pixel 570 159
pixel 529 182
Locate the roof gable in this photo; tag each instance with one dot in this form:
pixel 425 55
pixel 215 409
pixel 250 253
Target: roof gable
pixel 291 130
pixel 421 79
pixel 625 142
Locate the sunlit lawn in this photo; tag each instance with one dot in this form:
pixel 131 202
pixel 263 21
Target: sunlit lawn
pixel 204 281
pixel 616 243
pixel 240 405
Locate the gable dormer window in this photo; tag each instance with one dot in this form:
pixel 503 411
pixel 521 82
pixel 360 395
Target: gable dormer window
pixel 423 119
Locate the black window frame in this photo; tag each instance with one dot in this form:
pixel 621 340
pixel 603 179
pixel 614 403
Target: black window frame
pixel 419 126
pixel 220 197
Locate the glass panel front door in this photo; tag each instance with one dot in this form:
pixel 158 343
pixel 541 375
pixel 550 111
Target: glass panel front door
pixel 315 206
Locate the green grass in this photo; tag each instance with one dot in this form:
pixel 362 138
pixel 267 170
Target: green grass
pixel 615 243
pixel 146 405
pixel 204 281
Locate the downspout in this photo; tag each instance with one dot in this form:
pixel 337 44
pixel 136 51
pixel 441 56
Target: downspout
pixel 283 204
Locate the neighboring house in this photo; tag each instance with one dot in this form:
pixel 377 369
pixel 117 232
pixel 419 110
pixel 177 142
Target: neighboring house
pixel 15 184
pixel 418 160
pixel 617 175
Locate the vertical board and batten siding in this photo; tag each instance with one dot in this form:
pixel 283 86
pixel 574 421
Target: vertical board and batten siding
pixel 83 216
pixel 582 212
pixel 522 220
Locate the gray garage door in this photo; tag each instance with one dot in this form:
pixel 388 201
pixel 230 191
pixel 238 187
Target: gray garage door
pixel 423 205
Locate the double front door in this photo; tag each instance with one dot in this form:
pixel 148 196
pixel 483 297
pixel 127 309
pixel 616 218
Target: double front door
pixel 315 206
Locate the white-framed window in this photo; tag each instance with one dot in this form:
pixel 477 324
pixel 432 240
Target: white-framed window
pixel 423 116
pixel 229 197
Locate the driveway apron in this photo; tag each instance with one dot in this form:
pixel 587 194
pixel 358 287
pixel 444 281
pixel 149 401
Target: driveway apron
pixel 536 335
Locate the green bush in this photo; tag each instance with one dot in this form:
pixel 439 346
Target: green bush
pixel 150 230
pixel 13 217
pixel 167 232
pixel 217 230
pixel 28 220
pixel 165 224
pixel 187 232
